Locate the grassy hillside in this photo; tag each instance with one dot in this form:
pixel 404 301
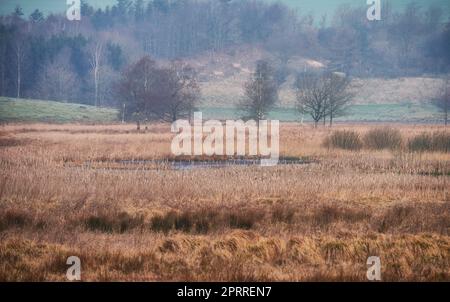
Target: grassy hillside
pixel 19 110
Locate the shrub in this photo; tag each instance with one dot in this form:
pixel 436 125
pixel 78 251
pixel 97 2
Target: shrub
pixel 438 141
pixel 202 221
pixel 14 218
pixel 441 141
pixel 383 138
pixel 164 223
pixel 328 214
pixel 283 214
pixel 116 222
pixel 420 143
pixel 348 140
pixel 242 220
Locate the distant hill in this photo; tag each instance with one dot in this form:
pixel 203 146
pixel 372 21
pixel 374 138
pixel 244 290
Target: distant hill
pixel 221 78
pixel 20 110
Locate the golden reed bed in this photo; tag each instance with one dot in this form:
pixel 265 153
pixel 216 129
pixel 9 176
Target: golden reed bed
pixel 319 221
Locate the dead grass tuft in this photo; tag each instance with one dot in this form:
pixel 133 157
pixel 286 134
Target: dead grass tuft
pixel 14 218
pixel 434 142
pixel 383 138
pixel 345 139
pixel 110 222
pixel 329 214
pixel 205 220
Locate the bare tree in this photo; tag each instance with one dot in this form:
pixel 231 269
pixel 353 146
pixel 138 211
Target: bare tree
pixel 312 96
pixel 176 92
pixel 95 62
pixel 322 95
pixel 164 93
pixel 134 87
pixel 338 96
pixel 261 92
pixel 19 50
pixel 58 81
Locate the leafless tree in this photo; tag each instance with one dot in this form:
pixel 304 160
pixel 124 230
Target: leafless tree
pixel 96 56
pixel 261 92
pixel 322 95
pixel 58 81
pixel 176 92
pixel 149 91
pixel 338 96
pixel 312 96
pixel 19 50
pixel 134 87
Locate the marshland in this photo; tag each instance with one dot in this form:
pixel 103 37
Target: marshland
pixel 88 93
pixel 321 220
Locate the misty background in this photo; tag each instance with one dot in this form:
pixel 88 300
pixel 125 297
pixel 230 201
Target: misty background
pixel 43 55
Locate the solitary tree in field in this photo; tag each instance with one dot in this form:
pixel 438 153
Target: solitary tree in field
pixel 339 97
pixel 162 93
pixel 175 93
pixel 322 95
pixel 261 92
pixel 443 101
pixel 134 88
pixel 312 96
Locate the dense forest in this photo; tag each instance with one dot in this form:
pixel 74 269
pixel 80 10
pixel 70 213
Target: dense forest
pixel 50 57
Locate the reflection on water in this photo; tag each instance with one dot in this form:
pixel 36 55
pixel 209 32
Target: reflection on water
pixel 177 165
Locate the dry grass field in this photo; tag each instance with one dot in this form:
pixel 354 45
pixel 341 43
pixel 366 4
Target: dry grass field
pixel 64 191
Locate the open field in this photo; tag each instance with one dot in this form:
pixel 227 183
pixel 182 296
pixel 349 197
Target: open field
pixel 13 110
pixel 318 221
pixel 401 113
pixel 18 110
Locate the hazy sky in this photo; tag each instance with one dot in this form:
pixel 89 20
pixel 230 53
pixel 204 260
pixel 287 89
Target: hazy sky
pixel 317 7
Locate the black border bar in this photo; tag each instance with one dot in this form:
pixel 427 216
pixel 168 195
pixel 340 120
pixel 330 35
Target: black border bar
pixel 224 291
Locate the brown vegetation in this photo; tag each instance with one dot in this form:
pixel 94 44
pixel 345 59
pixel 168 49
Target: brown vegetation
pixel 61 194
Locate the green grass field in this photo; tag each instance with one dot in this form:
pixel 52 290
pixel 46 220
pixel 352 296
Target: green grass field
pixel 403 113
pixel 20 110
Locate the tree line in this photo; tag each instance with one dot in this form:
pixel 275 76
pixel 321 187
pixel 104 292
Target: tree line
pixel 49 57
pixel 152 91
pixel 320 94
